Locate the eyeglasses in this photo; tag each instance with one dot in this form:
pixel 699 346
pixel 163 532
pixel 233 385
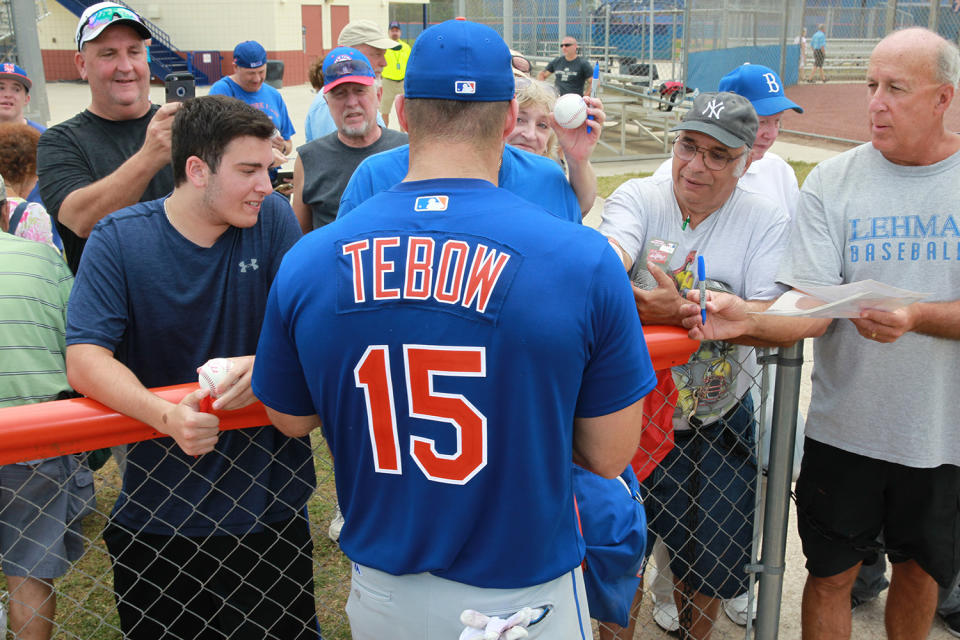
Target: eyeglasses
pixel 105 16
pixel 566 44
pixel 712 159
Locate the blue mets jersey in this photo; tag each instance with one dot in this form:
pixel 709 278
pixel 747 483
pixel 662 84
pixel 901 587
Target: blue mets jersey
pixel 534 178
pixel 458 332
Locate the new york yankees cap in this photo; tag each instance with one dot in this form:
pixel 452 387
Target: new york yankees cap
pixel 761 86
pixel 725 116
pixel 460 60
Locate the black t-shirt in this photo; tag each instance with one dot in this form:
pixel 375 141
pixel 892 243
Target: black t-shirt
pixel 82 150
pixel 571 75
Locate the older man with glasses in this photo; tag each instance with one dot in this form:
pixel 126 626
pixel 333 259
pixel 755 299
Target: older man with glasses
pixel 701 497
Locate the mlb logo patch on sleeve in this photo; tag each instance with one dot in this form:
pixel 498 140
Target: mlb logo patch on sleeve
pixel 465 86
pixel 431 203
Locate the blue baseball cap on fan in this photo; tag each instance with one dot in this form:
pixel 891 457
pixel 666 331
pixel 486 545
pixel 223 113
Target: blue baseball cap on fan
pixel 346 64
pixel 761 86
pixel 459 60
pixel 249 55
pixel 10 71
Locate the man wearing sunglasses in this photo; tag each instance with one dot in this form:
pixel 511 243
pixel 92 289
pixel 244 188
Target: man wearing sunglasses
pixel 702 494
pixel 117 152
pixel 574 74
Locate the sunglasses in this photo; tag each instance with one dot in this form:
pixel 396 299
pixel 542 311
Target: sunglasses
pixel 566 44
pixel 105 16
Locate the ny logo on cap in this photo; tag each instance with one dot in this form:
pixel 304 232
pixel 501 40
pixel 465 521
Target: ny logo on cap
pixel 8 68
pixel 772 82
pixel 714 107
pixel 465 86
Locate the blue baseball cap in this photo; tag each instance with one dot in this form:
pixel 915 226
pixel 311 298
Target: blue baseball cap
pixel 761 86
pixel 249 55
pixel 10 71
pixel 346 64
pixel 459 60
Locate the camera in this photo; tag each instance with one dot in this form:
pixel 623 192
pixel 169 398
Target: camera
pixel 180 86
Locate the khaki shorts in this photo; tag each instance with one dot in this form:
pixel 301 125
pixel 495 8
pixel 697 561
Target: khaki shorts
pixel 391 89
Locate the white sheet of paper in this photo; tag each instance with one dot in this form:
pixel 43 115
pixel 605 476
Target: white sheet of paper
pixel 843 301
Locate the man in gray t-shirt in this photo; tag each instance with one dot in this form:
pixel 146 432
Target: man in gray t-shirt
pixel 882 453
pixel 699 211
pixel 324 165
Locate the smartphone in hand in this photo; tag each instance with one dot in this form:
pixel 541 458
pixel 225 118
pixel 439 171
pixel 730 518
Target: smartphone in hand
pixel 180 86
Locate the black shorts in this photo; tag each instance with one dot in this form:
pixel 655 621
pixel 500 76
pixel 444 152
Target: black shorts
pixel 845 500
pixel 818 56
pixel 249 587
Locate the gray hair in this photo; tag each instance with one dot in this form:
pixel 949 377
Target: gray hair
pixel 741 167
pixel 948 64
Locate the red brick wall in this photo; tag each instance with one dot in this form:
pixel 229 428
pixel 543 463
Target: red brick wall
pixel 58 65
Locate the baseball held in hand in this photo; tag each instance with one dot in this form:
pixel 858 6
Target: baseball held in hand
pixel 570 111
pixel 213 376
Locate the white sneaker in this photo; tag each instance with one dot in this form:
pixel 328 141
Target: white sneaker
pixel 736 609
pixel 335 525
pixel 666 616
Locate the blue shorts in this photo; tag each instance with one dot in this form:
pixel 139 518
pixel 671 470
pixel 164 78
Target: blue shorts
pixel 701 502
pixel 41 507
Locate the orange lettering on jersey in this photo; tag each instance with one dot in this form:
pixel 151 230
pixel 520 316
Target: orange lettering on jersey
pixel 419 278
pixel 383 266
pixel 453 260
pixel 354 249
pixel 484 273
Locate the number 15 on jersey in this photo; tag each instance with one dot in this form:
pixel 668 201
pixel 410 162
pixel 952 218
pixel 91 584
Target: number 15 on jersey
pixel 422 363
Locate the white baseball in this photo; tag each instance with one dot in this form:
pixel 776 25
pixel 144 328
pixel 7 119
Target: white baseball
pixel 213 375
pixel 570 111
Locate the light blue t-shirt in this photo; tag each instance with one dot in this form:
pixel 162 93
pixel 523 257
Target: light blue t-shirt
pixel 266 98
pixel 319 121
pixel 534 178
pixel 819 40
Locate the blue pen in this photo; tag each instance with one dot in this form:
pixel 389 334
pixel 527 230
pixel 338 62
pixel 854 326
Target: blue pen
pixel 593 86
pixel 702 277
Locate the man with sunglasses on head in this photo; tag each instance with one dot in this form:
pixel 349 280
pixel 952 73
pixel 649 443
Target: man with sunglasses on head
pixel 117 152
pixel 324 165
pixel 574 74
pixel 701 497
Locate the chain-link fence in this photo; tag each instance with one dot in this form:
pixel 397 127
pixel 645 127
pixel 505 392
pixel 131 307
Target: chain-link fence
pixel 55 518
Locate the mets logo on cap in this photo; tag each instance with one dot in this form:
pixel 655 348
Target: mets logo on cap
pixel 8 68
pixel 431 203
pixel 465 87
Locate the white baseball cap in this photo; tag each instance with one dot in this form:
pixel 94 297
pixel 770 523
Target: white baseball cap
pixel 98 17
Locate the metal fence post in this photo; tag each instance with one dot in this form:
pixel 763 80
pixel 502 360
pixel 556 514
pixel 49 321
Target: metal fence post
pixel 776 509
pixel 24 13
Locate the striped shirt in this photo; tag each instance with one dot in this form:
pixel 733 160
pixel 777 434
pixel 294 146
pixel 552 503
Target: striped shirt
pixel 35 283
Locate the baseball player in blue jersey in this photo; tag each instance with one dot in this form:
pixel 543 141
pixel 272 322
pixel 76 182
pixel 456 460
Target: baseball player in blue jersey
pixel 466 348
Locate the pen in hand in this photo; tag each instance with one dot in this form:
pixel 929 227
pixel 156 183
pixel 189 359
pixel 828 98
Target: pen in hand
pixel 702 277
pixel 593 87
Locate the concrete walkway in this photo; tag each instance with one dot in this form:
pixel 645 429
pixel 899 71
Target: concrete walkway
pixel 68 98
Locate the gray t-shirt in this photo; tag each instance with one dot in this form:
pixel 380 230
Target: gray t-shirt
pixel 741 243
pixel 327 167
pixel 864 217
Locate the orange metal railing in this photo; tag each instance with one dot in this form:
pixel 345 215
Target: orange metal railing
pixel 56 428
